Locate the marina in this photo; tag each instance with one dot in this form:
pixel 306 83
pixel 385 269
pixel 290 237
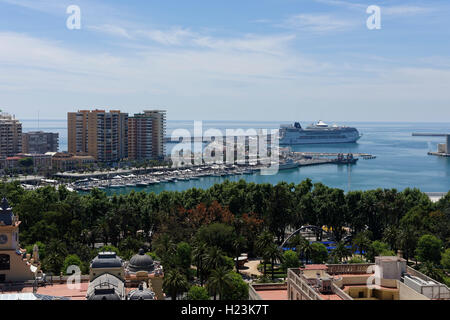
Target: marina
pixel 401 161
pixel 135 179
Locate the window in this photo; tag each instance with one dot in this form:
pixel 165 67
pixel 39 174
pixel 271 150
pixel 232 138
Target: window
pixel 4 262
pixel 2 278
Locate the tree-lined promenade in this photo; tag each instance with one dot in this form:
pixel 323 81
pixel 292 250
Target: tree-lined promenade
pixel 207 229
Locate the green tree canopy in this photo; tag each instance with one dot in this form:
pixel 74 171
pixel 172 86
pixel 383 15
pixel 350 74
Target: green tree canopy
pixel 319 252
pixel 198 293
pixel 290 260
pixel 378 248
pixel 429 249
pixel 175 283
pixel 71 260
pixel 445 260
pixel 218 235
pixel 238 289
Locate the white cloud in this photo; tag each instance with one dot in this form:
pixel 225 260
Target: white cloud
pixel 186 38
pixel 173 36
pixel 246 77
pixel 349 5
pixel 47 6
pixel 111 30
pixel 387 9
pixel 318 23
pixel 405 10
pixel 250 43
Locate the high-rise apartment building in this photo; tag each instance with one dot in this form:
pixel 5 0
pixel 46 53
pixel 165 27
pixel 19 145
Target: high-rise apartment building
pixel 40 142
pixel 146 135
pixel 140 137
pixel 10 135
pixel 101 134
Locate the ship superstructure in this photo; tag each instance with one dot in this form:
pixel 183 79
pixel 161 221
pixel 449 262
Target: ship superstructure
pixel 317 133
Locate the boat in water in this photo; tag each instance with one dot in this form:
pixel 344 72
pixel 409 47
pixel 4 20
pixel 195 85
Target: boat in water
pixel 317 133
pixel 288 164
pixel 349 159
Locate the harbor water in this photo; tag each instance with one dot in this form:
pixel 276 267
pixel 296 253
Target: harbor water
pixel 401 159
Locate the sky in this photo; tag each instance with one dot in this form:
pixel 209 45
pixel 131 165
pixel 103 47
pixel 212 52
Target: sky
pixel 264 60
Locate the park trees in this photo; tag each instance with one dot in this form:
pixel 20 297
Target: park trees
pixel 429 248
pixel 219 281
pixel 263 242
pixel 237 290
pixel 290 260
pixel 198 293
pixel 341 252
pixel 175 283
pixel 319 253
pixel 362 241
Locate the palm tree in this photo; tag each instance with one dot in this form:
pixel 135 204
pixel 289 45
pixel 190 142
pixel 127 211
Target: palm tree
pixel 274 254
pixel 391 236
pixel 341 251
pixel 174 283
pixel 164 247
pixel 219 281
pixel 264 241
pixel 407 241
pixel 238 245
pixel 304 248
pixel 199 255
pixel 214 259
pixel 362 241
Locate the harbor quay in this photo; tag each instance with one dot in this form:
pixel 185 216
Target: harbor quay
pixel 144 177
pixel 443 149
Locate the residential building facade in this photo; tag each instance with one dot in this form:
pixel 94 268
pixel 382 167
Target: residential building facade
pixel 40 142
pixel 158 132
pixel 140 137
pixel 10 135
pixel 100 134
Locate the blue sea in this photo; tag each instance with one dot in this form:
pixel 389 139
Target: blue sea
pixel 401 162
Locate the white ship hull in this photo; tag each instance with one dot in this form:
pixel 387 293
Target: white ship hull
pixel 287 166
pixel 317 134
pixel 292 140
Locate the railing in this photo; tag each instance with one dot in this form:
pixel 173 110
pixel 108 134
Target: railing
pixel 297 280
pixel 341 293
pixel 253 295
pixel 419 274
pixel 443 290
pixel 355 268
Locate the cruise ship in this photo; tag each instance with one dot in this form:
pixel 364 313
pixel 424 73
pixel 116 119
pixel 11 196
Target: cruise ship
pixel 317 133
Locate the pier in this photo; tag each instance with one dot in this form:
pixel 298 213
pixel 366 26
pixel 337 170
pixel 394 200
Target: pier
pixel 443 148
pixel 334 154
pixel 420 134
pixel 313 162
